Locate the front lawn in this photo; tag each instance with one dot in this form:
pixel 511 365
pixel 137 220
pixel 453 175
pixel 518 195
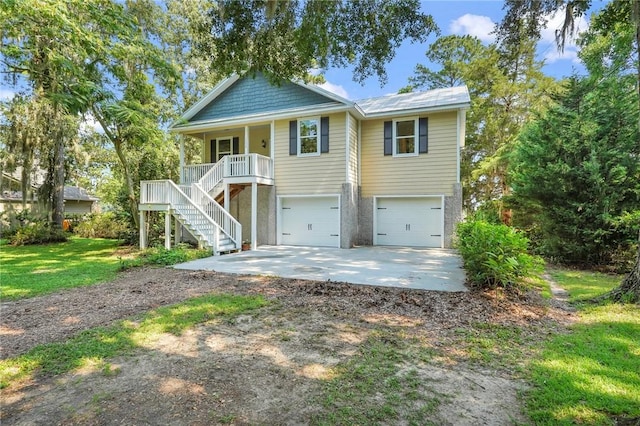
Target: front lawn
pixel 32 270
pixel 592 374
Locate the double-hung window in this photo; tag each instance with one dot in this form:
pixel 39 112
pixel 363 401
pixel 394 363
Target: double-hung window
pixel 405 137
pixel 309 136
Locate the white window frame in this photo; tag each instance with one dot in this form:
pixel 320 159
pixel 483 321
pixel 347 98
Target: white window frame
pixel 218 147
pixel 318 141
pixel 416 139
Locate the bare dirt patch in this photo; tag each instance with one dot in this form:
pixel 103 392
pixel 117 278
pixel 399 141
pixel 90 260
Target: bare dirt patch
pixel 266 367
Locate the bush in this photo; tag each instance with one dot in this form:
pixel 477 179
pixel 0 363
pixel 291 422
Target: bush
pixel 163 257
pixel 102 225
pixel 37 233
pixel 495 255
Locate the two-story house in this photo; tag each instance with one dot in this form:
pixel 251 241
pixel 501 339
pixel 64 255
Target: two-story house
pixel 297 165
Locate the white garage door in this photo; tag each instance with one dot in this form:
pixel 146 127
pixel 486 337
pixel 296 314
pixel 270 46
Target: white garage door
pixel 412 222
pixel 310 221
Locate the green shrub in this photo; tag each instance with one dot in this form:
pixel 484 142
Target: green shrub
pixel 37 233
pixel 163 257
pixel 495 255
pixel 102 225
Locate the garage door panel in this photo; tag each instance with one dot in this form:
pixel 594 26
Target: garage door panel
pixel 312 221
pixel 409 221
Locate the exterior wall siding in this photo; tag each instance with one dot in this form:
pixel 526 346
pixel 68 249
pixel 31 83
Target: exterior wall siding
pixel 433 173
pixel 322 174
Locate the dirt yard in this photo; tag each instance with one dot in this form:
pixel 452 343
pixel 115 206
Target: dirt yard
pixel 269 366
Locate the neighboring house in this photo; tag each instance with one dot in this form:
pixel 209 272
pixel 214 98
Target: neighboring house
pixel 76 199
pixel 297 165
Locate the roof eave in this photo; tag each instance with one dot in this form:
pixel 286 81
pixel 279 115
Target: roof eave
pixel 413 111
pixel 260 118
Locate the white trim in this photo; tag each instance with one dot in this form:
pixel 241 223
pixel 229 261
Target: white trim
pixel 215 160
pixel 416 111
pixel 318 137
pixel 279 213
pixel 348 145
pixel 359 152
pixel 458 134
pixel 255 119
pixel 375 211
pixel 272 143
pixel 246 140
pixel 416 139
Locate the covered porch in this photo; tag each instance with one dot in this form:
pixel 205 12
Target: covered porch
pixel 201 202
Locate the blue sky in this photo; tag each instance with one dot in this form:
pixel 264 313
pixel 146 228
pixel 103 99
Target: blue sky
pixel 455 17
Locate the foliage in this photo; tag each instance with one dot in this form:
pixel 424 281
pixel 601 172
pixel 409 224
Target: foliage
pixel 506 88
pixel 592 374
pixel 286 39
pixel 101 225
pixel 29 271
pixel 162 256
pixel 495 255
pixel 577 166
pixel 38 233
pixel 98 344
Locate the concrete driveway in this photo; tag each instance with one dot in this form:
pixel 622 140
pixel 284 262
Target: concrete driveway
pixel 415 268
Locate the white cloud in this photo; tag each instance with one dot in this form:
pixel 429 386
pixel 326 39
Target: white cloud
pixel 474 25
pixel 335 88
pixel 548 38
pixel 6 94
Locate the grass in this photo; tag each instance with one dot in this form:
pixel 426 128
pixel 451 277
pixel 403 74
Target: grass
pixel 33 270
pixel 97 345
pixel 373 387
pixel 592 374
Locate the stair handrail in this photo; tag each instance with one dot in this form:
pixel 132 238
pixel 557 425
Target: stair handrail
pixel 227 223
pixel 176 197
pixel 212 177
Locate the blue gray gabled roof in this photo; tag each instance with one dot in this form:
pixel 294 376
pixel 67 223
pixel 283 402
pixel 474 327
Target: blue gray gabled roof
pixel 250 98
pixel 450 97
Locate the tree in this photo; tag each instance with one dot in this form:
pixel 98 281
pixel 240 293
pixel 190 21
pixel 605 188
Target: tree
pixel 286 39
pixel 506 89
pixel 525 18
pixel 577 166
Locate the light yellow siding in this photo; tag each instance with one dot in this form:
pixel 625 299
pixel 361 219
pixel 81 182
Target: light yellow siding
pixel 425 174
pixel 256 135
pixel 353 150
pixel 323 174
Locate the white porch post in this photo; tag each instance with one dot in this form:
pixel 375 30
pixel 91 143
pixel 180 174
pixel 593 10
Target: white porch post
pixel 254 216
pixel 181 159
pixel 246 139
pixel 143 231
pixel 167 230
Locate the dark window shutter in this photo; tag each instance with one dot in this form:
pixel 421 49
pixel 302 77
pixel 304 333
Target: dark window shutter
pixel 236 145
pixel 388 137
pixel 214 153
pixel 293 137
pixel 324 134
pixel 423 132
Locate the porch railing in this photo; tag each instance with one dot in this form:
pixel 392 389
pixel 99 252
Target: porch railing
pixel 194 172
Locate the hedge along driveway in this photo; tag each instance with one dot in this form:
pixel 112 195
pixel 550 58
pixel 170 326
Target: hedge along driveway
pixel 29 271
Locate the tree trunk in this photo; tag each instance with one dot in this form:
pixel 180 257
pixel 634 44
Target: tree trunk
pixel 629 290
pixel 58 181
pixel 131 194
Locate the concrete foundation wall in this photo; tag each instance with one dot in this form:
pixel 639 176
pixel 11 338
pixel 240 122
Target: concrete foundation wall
pixel 240 208
pixel 349 215
pixel 452 214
